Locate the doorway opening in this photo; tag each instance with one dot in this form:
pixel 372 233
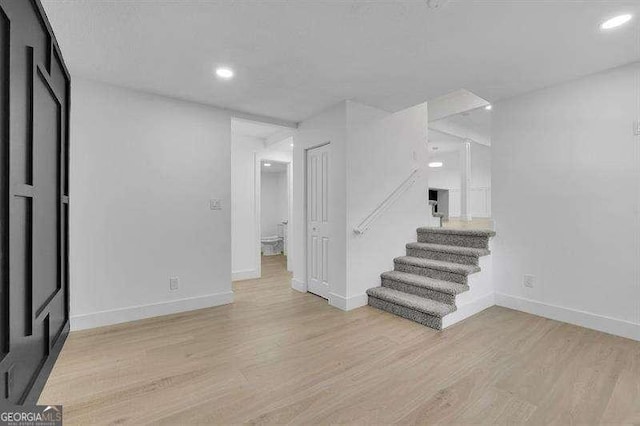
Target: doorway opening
pixel 460 161
pixel 275 195
pixel 253 145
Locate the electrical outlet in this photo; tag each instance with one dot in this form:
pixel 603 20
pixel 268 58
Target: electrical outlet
pixel 215 204
pixel 174 283
pixel 528 281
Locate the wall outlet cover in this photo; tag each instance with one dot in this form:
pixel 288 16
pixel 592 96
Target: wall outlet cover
pixel 174 283
pixel 215 204
pixel 528 281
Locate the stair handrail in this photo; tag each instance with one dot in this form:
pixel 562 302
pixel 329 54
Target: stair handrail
pixel 387 202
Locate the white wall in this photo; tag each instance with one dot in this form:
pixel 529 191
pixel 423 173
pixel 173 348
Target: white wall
pixel 372 152
pixel 246 154
pixel 327 127
pixel 382 152
pixel 273 202
pixel 566 188
pixel 245 256
pixel 143 169
pixel 282 198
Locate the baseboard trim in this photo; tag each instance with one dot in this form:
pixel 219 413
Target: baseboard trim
pixel 248 274
pixel 299 285
pixel 133 313
pixel 469 309
pixel 37 385
pixel 347 303
pixel 602 323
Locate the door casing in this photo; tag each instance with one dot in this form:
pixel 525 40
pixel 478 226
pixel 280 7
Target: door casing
pixel 317 221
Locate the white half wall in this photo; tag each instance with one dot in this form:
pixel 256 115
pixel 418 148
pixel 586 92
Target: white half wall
pixel 143 169
pixel 566 201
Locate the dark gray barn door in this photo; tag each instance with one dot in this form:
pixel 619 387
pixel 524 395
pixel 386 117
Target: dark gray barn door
pixel 34 117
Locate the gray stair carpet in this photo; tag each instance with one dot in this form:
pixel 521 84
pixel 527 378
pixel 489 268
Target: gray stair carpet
pixel 467 255
pixel 424 283
pixel 476 238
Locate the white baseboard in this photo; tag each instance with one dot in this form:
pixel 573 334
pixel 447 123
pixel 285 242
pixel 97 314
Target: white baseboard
pixel 298 285
pixel 605 324
pixel 133 313
pixel 249 274
pixel 468 309
pixel 348 303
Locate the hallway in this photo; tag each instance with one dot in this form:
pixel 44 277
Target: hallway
pixel 279 356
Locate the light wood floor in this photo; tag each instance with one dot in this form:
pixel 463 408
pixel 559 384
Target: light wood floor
pixel 279 356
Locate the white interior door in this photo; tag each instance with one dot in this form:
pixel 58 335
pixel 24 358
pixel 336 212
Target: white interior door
pixel 318 220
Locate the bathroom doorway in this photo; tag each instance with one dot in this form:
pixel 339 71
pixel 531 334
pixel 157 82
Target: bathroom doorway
pixel 252 144
pixel 275 208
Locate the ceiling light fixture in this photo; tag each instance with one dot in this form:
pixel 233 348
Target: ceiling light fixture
pixel 435 164
pixel 224 73
pixel 267 164
pixel 488 107
pixel 292 145
pixel 616 21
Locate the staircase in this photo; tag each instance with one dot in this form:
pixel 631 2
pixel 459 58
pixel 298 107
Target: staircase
pixel 425 284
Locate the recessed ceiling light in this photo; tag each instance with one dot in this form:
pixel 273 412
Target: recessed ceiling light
pixel 224 73
pixel 267 164
pixel 616 21
pixel 292 145
pixel 436 164
pixel 488 107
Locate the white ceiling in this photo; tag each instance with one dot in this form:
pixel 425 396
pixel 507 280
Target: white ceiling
pixel 295 58
pixel 474 125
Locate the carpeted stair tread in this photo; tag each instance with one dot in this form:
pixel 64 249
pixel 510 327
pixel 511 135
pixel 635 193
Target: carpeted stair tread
pixel 425 282
pixel 456 268
pixel 465 251
pixel 465 232
pixel 427 306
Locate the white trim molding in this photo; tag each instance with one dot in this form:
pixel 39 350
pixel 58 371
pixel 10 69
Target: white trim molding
pixel 248 274
pixel 465 310
pixel 602 323
pixel 348 303
pixel 298 285
pixel 133 313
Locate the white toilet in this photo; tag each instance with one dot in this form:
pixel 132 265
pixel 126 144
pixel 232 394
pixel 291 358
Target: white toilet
pixel 274 244
pixel 271 245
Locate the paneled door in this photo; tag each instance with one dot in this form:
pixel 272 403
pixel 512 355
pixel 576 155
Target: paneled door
pixel 34 200
pixel 318 241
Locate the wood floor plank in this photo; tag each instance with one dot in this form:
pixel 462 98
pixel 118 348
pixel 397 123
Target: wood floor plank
pixel 277 356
